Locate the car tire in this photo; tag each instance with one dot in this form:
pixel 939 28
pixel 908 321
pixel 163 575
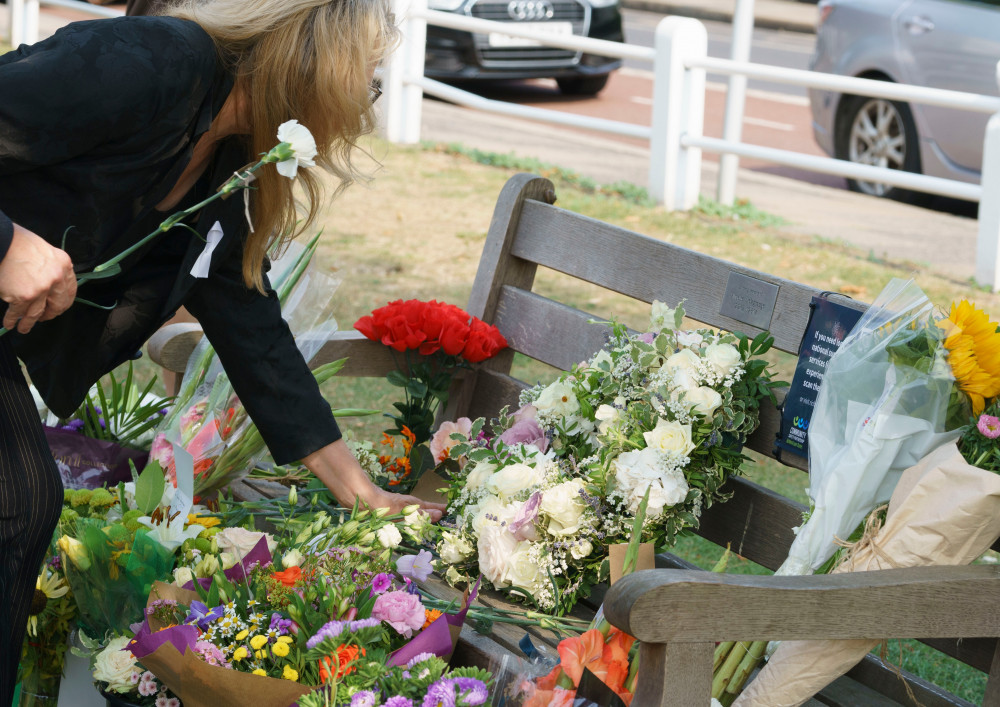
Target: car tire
pixel 880 132
pixel 582 85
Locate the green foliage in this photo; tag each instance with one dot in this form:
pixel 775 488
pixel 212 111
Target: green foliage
pixel 977 448
pixel 123 413
pixel 742 211
pixel 149 487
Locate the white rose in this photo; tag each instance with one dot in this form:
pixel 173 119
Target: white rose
pixel 389 536
pixel 524 571
pixel 454 548
pixel 670 436
pixel 479 475
pixel 683 380
pixel 495 547
pixel 637 471
pixel 183 575
pixel 241 541
pixel 292 558
pixel 581 549
pixel 704 399
pixel 685 359
pixel 558 399
pixel 489 512
pixel 115 665
pixel 723 357
pixel 606 416
pixel 563 506
pixel 513 479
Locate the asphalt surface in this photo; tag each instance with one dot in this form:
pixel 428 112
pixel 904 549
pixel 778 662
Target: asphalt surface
pixel 899 232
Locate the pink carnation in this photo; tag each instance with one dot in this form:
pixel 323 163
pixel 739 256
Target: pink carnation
pixel 211 654
pixel 401 610
pixel 989 426
pixel 441 442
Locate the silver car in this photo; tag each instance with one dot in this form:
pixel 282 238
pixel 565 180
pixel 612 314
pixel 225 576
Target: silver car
pixel 952 44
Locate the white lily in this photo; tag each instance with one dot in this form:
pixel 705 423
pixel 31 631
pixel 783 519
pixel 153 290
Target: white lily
pixel 171 534
pixel 303 148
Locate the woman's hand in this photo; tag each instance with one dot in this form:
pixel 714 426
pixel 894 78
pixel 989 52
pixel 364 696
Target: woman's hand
pixel 337 468
pixel 36 281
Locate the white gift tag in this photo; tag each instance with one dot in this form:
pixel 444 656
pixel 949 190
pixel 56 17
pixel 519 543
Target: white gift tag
pixel 184 466
pixel 200 267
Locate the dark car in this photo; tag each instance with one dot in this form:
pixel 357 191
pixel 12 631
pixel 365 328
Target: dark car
pixel 458 55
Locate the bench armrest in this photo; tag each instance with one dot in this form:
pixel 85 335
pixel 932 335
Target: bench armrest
pixel 666 606
pixel 171 347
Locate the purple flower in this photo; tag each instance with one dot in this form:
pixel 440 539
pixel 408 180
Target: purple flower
pixel 471 692
pixel 523 525
pixel 330 630
pixel 440 694
pixel 647 338
pixel 989 426
pixel 363 698
pixel 355 626
pixel 380 584
pixel 418 567
pixel 526 431
pixel 280 625
pixel 399 701
pixel 419 658
pixel 201 615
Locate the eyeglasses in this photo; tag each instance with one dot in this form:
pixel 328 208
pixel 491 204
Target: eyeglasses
pixel 374 90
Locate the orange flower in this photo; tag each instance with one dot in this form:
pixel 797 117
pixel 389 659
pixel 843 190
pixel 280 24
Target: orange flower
pixel 340 664
pixel 582 652
pixel 549 681
pixel 288 577
pixel 430 616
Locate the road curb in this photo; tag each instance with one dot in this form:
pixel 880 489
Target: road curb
pixel 768 21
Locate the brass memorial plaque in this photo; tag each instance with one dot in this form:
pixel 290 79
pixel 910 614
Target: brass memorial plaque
pixel 749 300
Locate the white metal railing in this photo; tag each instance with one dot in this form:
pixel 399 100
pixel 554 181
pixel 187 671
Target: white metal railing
pixel 680 62
pixel 23 15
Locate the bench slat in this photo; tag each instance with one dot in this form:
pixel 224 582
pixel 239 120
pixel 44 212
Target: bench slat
pixel 885 680
pixel 648 269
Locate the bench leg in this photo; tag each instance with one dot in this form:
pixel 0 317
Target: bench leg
pixel 674 675
pixel 992 696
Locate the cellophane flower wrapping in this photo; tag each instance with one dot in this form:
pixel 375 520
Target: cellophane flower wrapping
pixel 207 419
pixel 944 511
pixel 888 398
pixel 538 497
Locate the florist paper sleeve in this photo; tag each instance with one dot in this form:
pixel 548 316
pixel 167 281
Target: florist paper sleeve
pixel 943 512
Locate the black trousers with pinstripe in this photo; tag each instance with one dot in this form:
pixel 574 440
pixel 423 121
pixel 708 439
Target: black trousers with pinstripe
pixel 31 495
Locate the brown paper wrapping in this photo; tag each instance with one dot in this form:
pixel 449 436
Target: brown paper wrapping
pixel 943 512
pixel 199 684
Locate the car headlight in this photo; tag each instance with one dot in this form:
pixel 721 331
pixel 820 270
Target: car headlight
pixel 603 3
pixel 445 5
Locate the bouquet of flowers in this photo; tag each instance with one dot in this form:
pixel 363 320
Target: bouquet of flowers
pixel 340 617
pixel 118 674
pixel 903 387
pixel 660 415
pixel 436 340
pixel 207 420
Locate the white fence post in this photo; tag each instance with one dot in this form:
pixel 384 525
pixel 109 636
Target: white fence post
pixel 736 96
pixel 16 22
pixel 678 110
pixel 404 99
pixel 988 242
pixel 32 9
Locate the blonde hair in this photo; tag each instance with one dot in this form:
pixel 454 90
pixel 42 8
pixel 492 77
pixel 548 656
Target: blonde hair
pixel 305 59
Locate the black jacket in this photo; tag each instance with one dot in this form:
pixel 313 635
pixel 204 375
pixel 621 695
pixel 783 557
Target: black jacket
pixel 96 124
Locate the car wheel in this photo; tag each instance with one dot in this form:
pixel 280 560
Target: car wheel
pixel 879 132
pixel 583 85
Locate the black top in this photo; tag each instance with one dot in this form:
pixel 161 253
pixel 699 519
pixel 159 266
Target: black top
pixel 96 125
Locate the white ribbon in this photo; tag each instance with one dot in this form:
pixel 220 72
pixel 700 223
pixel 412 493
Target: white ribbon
pixel 200 267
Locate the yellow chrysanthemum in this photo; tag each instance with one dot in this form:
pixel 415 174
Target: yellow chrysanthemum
pixel 204 521
pixel 258 642
pixel 261 672
pixel 290 673
pixel 280 649
pixel 973 352
pixel 240 653
pixel 285 639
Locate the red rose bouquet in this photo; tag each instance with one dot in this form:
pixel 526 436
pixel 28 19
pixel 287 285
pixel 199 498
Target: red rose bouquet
pixel 435 339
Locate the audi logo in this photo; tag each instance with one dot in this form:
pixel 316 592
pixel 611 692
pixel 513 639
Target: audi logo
pixel 530 10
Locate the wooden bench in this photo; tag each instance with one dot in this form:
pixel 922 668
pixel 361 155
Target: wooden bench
pixel 675 612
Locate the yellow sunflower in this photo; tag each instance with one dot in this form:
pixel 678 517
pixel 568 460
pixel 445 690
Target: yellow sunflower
pixel 48 586
pixel 973 352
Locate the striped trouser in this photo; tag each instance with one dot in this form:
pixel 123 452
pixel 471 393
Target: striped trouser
pixel 30 502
